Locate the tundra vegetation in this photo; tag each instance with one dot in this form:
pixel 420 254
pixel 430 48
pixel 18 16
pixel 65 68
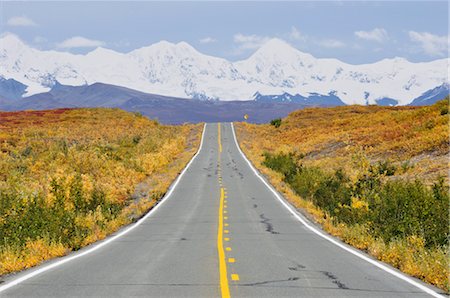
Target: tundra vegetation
pixel 376 177
pixel 70 177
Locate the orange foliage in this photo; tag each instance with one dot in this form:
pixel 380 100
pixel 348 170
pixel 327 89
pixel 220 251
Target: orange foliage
pixel 91 158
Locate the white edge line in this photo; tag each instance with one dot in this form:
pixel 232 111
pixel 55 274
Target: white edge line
pixel 327 237
pixel 108 240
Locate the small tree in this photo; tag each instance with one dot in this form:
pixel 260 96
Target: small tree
pixel 276 122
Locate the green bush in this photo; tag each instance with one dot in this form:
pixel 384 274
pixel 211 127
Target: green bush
pixel 283 163
pixel 406 165
pixel 384 168
pixel 443 106
pixel 25 219
pixel 276 122
pixel 395 209
pixel 307 182
pixel 136 139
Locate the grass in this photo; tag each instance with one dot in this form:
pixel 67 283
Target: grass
pixel 374 176
pixel 70 177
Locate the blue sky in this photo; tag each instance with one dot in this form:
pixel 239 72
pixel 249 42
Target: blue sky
pixel 354 32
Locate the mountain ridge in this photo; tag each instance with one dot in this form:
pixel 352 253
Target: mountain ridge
pixel 179 70
pixel 169 110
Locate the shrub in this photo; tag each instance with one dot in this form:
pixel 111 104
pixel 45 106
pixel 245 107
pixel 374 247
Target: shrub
pixel 136 139
pixel 430 124
pixel 283 163
pixel 443 106
pixel 391 210
pixel 307 182
pixel 67 180
pixel 351 137
pixel 276 122
pixel 385 168
pixel 406 165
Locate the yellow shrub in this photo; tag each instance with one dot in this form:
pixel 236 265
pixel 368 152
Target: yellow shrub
pixel 84 153
pixel 34 252
pixel 352 138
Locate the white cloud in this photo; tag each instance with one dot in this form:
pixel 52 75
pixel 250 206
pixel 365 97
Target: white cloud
pixel 431 44
pixel 377 34
pixel 207 40
pixel 295 34
pixel 250 42
pixel 331 43
pixel 21 21
pixel 80 42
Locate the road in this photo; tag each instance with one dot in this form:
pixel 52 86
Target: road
pixel 220 233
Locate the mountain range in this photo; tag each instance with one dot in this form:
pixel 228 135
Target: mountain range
pixel 276 72
pixel 168 110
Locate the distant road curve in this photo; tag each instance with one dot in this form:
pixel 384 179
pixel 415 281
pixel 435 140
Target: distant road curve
pixel 220 231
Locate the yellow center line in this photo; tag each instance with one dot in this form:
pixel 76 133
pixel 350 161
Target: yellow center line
pixel 218 138
pixel 222 264
pixel 224 285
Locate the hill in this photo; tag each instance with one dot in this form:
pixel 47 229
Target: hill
pixel 413 139
pixel 168 110
pixel 69 177
pixel 377 177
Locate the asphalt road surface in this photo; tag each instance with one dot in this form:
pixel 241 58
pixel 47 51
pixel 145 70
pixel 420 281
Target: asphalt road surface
pixel 221 232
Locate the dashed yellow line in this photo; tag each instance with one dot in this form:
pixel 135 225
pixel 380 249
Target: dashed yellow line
pixel 224 286
pixel 218 138
pixel 225 290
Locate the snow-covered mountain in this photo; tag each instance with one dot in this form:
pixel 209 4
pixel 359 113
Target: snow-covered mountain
pixel 179 70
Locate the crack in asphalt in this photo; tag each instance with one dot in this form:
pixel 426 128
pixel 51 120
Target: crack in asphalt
pixel 269 282
pixel 298 267
pixel 334 279
pixel 266 222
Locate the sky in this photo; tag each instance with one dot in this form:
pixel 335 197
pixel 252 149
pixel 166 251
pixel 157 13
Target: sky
pixel 355 32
